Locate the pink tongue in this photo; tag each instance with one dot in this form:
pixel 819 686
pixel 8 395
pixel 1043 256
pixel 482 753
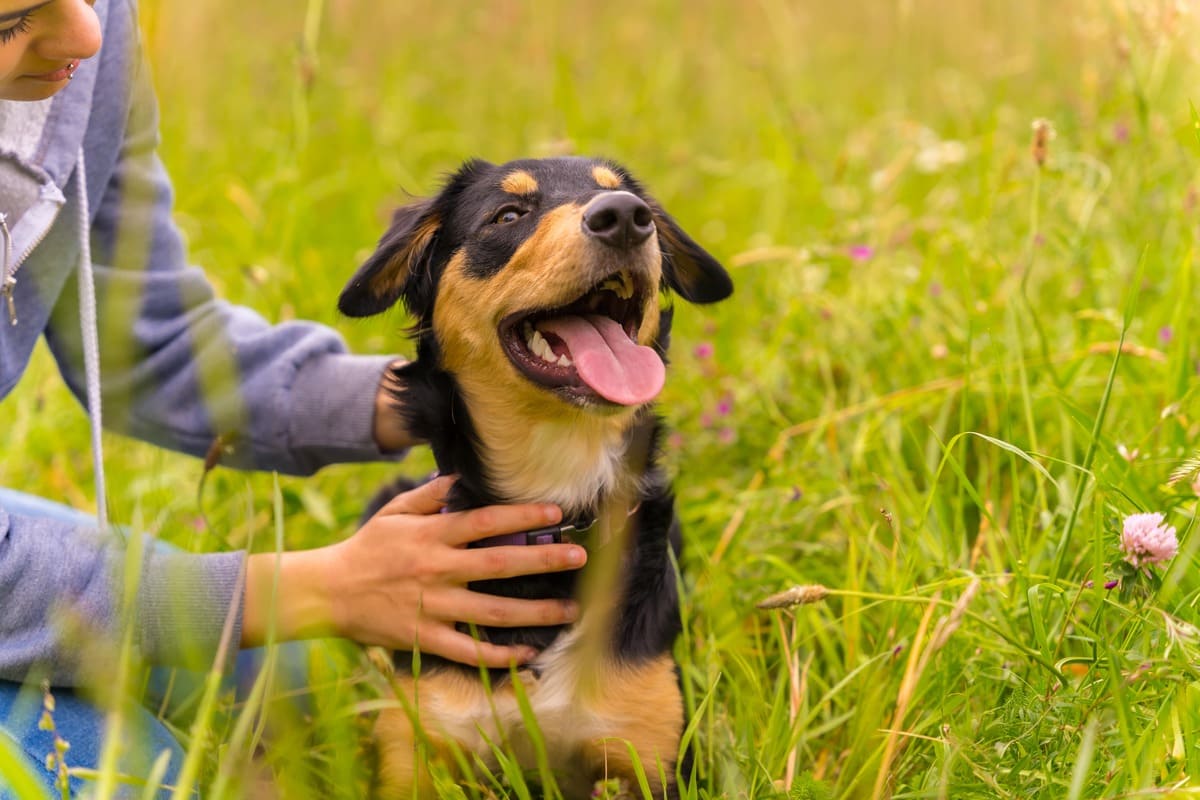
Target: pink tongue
pixel 607 360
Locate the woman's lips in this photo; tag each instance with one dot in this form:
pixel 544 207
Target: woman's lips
pixel 58 74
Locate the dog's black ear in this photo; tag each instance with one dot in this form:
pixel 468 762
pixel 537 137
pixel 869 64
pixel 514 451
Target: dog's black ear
pixel 687 267
pixel 398 265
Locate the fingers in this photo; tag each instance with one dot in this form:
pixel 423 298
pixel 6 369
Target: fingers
pixel 463 605
pixel 480 523
pixel 449 643
pixel 428 498
pixel 508 562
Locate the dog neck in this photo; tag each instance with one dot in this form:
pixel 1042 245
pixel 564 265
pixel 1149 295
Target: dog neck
pixel 575 461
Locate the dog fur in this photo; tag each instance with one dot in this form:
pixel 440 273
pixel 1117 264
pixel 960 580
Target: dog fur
pixel 498 252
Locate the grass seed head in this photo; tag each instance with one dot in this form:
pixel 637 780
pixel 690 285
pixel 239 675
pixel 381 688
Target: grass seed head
pixel 1043 134
pixel 795 596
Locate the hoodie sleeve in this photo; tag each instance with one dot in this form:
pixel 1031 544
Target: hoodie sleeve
pixel 179 367
pixel 181 605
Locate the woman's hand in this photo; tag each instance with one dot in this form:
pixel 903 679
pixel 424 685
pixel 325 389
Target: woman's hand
pixel 400 581
pixel 391 433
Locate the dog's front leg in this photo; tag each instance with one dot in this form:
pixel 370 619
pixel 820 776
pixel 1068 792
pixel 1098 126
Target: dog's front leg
pixel 401 765
pixel 403 749
pixel 639 706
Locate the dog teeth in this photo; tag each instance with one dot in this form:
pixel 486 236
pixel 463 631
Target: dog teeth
pixel 538 345
pixel 626 287
pixel 621 285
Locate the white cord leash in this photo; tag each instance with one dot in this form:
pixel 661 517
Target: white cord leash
pixel 89 329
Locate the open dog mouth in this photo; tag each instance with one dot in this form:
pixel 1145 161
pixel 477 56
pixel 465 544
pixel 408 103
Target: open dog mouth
pixel 588 349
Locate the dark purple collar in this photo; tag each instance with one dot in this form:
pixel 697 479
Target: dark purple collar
pixel 554 534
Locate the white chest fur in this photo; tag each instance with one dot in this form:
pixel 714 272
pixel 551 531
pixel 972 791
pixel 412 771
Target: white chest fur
pixel 476 718
pixel 566 464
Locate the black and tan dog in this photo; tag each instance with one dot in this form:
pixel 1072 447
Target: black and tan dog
pixel 541 335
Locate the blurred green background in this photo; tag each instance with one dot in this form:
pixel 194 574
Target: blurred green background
pixel 905 273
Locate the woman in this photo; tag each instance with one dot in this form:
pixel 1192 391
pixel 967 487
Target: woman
pixel 86 214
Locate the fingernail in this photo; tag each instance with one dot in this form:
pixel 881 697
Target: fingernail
pixel 553 513
pixel 528 654
pixel 576 556
pixel 571 611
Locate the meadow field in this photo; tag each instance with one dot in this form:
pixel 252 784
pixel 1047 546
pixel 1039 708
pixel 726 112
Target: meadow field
pixel 954 362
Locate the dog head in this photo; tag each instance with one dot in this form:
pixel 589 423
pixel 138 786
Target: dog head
pixel 540 280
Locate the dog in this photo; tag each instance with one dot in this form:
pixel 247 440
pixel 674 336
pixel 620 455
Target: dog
pixel 540 290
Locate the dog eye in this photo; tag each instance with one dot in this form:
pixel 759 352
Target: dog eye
pixel 508 215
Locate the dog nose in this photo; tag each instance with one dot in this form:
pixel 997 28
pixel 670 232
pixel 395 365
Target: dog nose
pixel 619 219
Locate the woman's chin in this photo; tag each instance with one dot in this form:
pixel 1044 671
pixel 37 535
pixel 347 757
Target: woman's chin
pixel 27 89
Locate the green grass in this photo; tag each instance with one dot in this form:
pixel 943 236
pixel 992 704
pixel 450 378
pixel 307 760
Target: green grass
pixel 930 430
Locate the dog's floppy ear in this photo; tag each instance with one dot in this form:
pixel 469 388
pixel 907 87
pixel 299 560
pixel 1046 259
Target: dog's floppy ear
pixel 398 265
pixel 687 267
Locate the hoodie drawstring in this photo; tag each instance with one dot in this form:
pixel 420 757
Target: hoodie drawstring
pixel 91 339
pixel 7 281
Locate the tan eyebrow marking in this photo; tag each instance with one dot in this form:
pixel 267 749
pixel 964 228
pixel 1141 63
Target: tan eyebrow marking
pixel 519 182
pixel 605 177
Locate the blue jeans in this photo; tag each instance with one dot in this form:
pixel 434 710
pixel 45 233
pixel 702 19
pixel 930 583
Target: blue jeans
pixel 81 723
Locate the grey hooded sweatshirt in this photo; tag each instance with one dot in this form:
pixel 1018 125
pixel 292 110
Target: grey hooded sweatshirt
pixel 296 400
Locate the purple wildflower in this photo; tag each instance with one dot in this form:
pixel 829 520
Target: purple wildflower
pixel 703 350
pixel 1146 540
pixel 1165 334
pixel 935 289
pixel 860 252
pixel 1111 584
pixel 797 493
pixel 725 406
pixel 1121 132
pixel 727 435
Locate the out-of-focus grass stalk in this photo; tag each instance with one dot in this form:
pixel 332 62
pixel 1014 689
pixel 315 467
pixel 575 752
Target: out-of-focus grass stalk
pixel 1083 760
pixel 1094 441
pixel 115 735
pixel 307 67
pixel 154 778
pixel 201 730
pixel 248 730
pixel 16 776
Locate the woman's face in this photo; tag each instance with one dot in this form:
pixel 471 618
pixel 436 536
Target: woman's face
pixel 41 44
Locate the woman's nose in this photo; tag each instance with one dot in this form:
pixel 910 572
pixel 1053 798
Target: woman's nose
pixel 73 33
